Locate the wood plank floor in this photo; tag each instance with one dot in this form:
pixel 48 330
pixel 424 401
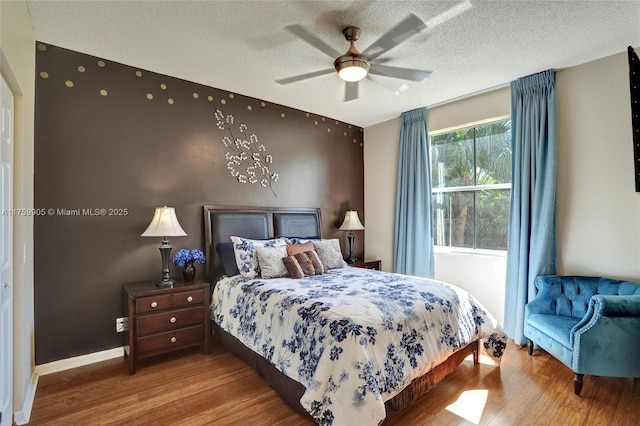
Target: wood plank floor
pixel 196 389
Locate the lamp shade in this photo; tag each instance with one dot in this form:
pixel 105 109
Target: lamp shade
pixel 351 222
pixel 164 224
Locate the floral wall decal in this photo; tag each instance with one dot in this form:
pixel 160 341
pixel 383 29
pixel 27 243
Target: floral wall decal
pixel 247 160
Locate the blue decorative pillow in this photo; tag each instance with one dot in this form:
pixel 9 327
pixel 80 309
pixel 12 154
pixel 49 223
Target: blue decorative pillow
pixel 300 240
pixel 246 255
pixel 228 258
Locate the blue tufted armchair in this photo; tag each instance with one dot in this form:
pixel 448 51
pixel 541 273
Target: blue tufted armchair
pixel 591 324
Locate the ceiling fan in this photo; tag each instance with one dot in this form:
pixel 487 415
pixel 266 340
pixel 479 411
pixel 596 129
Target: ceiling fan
pixel 353 66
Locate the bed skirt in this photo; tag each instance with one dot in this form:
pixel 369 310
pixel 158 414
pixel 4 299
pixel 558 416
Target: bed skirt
pixel 291 391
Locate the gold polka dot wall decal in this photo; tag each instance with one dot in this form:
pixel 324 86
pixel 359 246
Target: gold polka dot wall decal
pixel 262 104
pixel 354 141
pixel 170 101
pixel 223 101
pixel 349 125
pixel 42 47
pixel 149 96
pixel 282 115
pixel 249 107
pixel 101 64
pixel 210 98
pixel 337 122
pixel 345 133
pixel 138 73
pixel 103 92
pixel 328 130
pixel 231 96
pixel 163 86
pixel 324 119
pixel 68 83
pixel 81 68
pixel 195 95
pixel 44 74
pixel 315 122
pixel 308 115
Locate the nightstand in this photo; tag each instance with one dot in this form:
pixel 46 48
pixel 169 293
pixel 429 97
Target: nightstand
pixel 368 264
pixel 163 320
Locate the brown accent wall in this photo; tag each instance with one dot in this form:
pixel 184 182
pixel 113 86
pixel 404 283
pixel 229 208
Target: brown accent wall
pixel 112 142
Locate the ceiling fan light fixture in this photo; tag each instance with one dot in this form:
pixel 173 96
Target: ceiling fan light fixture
pixel 352 68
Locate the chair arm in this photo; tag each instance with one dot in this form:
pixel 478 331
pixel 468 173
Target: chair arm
pixel 607 340
pixel 549 289
pixel 616 305
pixel 610 306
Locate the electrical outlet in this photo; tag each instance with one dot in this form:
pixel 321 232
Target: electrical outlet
pixel 122 324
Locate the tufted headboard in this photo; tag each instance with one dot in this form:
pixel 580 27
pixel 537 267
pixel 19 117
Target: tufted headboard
pixel 221 222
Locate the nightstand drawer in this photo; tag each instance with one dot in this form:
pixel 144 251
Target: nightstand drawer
pixel 188 298
pixel 171 340
pixel 165 319
pixel 168 320
pixel 153 303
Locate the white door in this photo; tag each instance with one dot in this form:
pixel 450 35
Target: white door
pixel 6 244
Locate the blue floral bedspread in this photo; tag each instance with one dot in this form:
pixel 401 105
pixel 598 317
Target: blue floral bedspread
pixel 353 337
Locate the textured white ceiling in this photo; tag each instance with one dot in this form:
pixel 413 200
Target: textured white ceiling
pixel 241 46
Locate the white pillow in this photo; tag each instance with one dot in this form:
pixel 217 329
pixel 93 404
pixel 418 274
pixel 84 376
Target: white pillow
pixel 330 253
pixel 270 261
pixel 246 256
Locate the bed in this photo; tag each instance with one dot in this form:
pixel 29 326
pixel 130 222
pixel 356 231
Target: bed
pixel 342 343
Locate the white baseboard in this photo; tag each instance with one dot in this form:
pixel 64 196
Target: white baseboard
pixel 22 417
pixel 78 361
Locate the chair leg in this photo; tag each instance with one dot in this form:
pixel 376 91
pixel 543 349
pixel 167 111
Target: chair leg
pixel 636 386
pixel 529 347
pixel 577 383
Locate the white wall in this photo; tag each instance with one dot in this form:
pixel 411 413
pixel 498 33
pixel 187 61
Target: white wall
pixel 598 212
pixel 598 208
pixel 380 157
pixel 17 64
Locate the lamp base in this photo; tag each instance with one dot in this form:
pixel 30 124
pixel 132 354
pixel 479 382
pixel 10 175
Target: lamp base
pixel 165 284
pixel 351 258
pixel 165 252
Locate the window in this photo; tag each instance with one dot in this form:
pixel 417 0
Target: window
pixel 471 179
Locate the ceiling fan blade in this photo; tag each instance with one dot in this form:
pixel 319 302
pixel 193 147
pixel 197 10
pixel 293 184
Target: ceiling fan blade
pixel 300 77
pixel 312 39
pixel 398 72
pixel 406 28
pixel 449 14
pixel 350 90
pixel 394 86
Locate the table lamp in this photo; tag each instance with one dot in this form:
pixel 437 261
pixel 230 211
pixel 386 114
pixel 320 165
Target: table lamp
pixel 164 224
pixel 351 223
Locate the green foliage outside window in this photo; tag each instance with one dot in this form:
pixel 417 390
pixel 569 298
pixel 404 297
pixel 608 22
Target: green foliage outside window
pixel 471 180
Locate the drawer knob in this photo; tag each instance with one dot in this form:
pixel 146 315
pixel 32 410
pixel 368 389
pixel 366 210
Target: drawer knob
pixel 154 304
pixel 173 340
pixel 190 299
pixel 173 319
